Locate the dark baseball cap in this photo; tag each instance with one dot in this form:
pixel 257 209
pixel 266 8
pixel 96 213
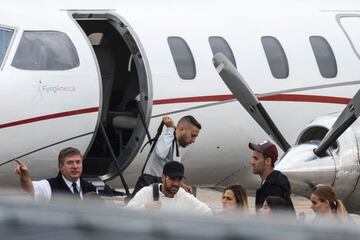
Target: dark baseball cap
pixel 173 169
pixel 267 148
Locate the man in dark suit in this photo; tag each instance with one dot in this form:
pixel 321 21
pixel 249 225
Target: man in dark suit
pixel 67 182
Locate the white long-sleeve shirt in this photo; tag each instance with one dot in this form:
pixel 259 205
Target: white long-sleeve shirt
pixel 164 151
pixel 42 189
pixel 183 202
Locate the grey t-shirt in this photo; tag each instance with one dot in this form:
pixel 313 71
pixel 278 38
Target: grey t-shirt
pixel 164 151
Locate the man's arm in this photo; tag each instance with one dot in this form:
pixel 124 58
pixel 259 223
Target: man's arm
pixel 165 140
pixel 194 205
pixel 25 180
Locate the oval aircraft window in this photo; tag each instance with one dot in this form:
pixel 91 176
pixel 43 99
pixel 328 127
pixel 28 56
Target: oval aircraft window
pixel 325 57
pixel 45 50
pixel 219 44
pixel 183 58
pixel 276 57
pixel 5 36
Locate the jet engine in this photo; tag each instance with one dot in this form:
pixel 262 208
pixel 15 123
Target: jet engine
pixel 338 167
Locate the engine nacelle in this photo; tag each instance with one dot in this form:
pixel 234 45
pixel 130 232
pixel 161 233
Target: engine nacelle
pixel 339 168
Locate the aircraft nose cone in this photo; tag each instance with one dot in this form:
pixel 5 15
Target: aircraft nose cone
pixel 305 170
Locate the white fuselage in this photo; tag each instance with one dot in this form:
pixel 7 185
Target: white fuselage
pixel 41 108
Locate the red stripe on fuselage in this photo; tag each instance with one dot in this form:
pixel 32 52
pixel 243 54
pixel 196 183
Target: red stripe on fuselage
pixel 50 116
pixel 278 97
pixel 306 98
pixel 214 98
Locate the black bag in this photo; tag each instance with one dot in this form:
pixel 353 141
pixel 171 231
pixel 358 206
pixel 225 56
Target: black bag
pixel 145 180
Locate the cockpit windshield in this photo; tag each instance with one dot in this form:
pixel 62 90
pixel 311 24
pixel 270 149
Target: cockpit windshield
pixel 5 37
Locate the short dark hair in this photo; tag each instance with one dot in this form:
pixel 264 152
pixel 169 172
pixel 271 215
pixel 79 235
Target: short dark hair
pixel 190 119
pixel 277 203
pixel 66 152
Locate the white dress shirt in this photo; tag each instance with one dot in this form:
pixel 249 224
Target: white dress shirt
pixel 42 189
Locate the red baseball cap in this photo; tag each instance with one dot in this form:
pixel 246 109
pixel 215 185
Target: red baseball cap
pixel 267 148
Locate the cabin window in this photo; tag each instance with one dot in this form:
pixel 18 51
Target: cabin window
pixel 276 57
pixel 5 37
pixel 324 56
pixel 183 58
pixel 45 51
pixel 219 44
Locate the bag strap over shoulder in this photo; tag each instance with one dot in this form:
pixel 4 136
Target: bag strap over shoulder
pixel 176 146
pixel 155 191
pixel 153 143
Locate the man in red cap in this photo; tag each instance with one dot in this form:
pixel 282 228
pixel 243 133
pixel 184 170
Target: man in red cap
pixel 273 183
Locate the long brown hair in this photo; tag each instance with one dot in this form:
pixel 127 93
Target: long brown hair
pixel 327 193
pixel 240 195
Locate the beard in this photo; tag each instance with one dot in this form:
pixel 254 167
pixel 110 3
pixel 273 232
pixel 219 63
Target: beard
pixel 171 189
pixel 182 141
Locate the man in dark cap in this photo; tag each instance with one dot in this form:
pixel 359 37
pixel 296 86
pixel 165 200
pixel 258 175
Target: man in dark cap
pixel 171 196
pixel 273 183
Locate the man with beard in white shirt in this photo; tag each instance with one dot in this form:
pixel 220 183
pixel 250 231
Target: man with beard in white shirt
pixel 171 196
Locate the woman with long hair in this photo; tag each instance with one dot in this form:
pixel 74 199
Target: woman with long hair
pixel 234 198
pixel 326 206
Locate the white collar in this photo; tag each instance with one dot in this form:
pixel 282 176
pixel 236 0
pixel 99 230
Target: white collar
pixel 69 183
pixel 263 181
pixel 161 194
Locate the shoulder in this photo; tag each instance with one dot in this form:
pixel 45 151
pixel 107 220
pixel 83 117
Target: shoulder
pixel 168 133
pixel 43 182
pixel 86 184
pixel 192 204
pixel 185 195
pixel 55 182
pixel 51 180
pixel 182 192
pixel 277 177
pixel 143 195
pixel 276 181
pixel 145 191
